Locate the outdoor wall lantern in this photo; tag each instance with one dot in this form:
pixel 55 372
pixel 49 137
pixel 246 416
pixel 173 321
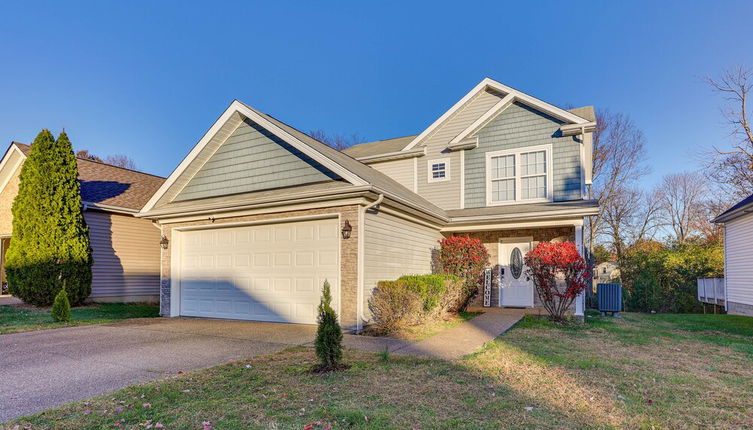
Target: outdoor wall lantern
pixel 347 229
pixel 164 242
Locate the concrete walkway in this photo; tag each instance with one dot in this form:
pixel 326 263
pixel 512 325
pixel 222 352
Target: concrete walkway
pixel 9 300
pixel 468 337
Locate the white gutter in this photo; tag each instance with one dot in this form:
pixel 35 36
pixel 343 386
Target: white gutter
pixel 108 208
pixel 389 156
pixel 575 129
pixel 263 202
pixel 519 215
pixel 471 143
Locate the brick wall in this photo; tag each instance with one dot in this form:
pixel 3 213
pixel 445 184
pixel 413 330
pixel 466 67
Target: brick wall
pixel 348 255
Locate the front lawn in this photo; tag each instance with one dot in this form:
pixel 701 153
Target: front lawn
pixel 19 318
pixel 641 371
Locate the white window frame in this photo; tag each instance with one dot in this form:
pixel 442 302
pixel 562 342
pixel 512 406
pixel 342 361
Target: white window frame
pixel 429 163
pixel 518 176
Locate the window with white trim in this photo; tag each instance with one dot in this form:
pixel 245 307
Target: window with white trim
pixel 522 175
pixel 438 170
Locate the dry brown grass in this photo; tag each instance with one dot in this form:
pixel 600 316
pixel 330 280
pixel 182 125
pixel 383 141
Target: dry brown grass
pixel 536 376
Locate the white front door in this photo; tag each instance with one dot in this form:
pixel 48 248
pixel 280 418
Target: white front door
pixel 517 287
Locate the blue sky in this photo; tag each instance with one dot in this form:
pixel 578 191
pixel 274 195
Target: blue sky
pixel 147 79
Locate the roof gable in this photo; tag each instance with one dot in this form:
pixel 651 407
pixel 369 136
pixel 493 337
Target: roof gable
pixel 510 95
pixel 329 159
pixel 253 159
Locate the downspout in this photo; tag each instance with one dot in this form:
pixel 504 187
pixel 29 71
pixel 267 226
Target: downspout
pixel 361 241
pixel 161 256
pixel 374 203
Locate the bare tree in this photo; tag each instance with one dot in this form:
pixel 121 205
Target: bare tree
pixel 619 161
pixel 733 168
pixel 121 161
pixel 84 153
pixel 114 160
pixel 682 198
pixel 631 216
pixel 337 141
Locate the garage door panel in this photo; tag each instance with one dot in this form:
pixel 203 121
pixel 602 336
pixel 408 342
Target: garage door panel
pixel 267 273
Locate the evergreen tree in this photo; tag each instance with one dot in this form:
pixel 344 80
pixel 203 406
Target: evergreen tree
pixel 50 244
pixel 329 336
pixel 61 308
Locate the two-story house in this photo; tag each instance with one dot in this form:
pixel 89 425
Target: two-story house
pixel 259 214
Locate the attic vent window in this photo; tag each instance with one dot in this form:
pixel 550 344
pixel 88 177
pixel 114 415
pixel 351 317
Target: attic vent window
pixel 439 170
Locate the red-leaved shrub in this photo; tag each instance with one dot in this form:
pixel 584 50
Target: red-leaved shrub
pixel 559 273
pixel 465 257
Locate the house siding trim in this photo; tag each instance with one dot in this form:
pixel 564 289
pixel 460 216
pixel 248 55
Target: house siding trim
pixel 738 261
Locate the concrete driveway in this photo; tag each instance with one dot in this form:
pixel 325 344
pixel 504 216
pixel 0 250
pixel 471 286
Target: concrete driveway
pixel 49 368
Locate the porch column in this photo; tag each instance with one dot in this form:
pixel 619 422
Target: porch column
pixel 580 301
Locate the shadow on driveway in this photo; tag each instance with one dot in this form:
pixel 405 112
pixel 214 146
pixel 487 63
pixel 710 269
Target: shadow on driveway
pixel 49 368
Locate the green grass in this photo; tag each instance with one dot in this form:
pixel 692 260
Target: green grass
pixel 640 371
pixel 20 318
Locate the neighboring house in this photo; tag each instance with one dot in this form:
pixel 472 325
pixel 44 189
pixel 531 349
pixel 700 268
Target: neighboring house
pixel 738 257
pixel 259 214
pixel 606 271
pixel 126 249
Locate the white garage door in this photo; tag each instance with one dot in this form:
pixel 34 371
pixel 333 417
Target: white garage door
pixel 271 272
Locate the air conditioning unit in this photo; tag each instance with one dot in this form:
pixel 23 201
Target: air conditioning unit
pixel 610 298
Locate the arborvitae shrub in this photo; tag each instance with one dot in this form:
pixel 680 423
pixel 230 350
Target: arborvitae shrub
pixel 50 244
pixel 329 336
pixel 61 308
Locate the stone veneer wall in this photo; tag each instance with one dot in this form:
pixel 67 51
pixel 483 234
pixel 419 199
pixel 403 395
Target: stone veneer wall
pixel 491 240
pixel 348 256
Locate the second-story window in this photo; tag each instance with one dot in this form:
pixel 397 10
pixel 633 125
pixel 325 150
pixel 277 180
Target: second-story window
pixel 520 175
pixel 439 170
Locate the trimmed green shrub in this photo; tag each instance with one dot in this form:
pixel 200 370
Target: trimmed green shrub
pixel 329 336
pixel 61 308
pixel 393 305
pixel 50 246
pixel 413 299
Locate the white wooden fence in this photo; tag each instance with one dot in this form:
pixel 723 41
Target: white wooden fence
pixel 711 290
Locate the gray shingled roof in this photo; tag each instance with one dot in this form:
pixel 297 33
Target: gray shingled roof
pixel 379 147
pixel 736 211
pixel 109 185
pixel 585 112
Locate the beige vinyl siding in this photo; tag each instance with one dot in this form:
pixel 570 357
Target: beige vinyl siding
pixel 738 260
pixel 7 195
pixel 446 194
pixel 393 247
pixel 400 170
pixel 126 255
